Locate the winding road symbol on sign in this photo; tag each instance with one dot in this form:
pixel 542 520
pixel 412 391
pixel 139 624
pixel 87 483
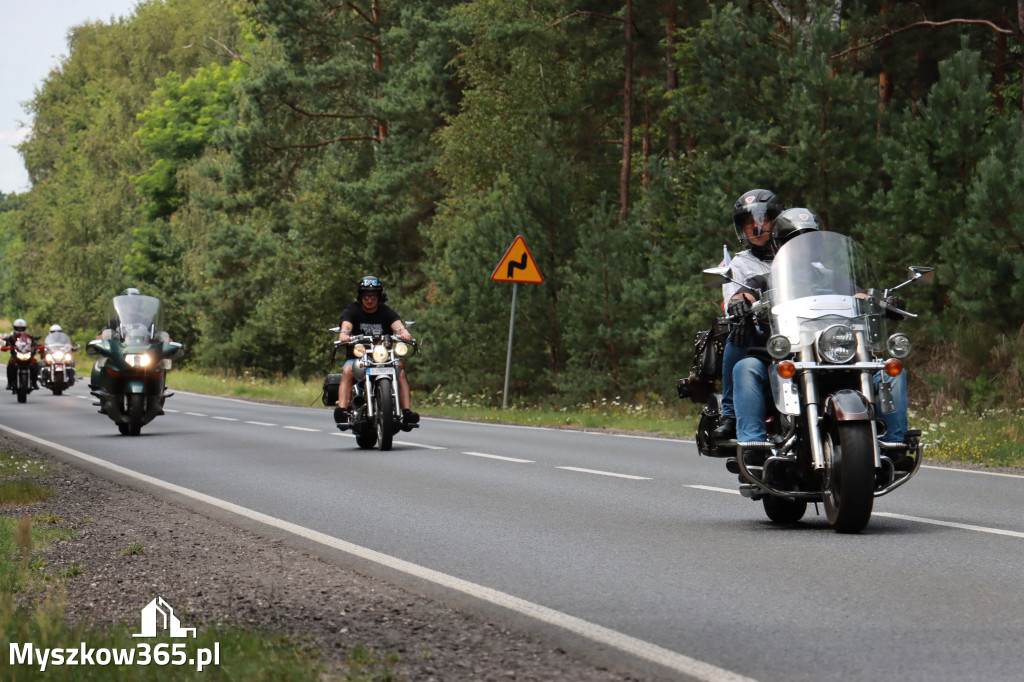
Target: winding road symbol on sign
pixel 517 265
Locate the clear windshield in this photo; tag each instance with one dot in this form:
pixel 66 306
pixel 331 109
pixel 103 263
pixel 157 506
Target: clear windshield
pixel 57 340
pixel 136 319
pixel 819 279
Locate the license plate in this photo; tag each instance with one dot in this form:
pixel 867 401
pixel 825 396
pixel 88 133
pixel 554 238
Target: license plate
pixel 381 370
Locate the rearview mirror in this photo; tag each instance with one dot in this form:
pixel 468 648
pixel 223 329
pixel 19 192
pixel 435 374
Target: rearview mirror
pixel 713 277
pixel 921 274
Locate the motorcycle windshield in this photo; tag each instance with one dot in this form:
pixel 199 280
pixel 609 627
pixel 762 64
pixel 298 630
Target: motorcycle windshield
pixel 819 279
pixel 57 341
pixel 136 319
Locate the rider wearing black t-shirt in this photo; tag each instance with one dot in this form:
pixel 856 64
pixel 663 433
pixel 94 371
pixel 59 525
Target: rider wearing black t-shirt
pixel 369 315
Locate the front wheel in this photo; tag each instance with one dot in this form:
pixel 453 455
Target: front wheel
pixel 849 480
pixel 22 394
pixel 385 413
pixel 136 410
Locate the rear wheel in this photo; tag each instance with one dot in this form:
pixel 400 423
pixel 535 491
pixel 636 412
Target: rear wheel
pixel 849 479
pixel 385 413
pixel 784 510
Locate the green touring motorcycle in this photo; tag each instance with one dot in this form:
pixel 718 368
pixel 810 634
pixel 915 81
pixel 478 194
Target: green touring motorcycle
pixel 135 356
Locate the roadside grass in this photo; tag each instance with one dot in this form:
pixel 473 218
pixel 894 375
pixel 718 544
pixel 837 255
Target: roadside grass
pixel 993 438
pixel 32 611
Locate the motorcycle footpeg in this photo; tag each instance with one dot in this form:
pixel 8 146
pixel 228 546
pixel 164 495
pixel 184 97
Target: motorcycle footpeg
pixel 410 427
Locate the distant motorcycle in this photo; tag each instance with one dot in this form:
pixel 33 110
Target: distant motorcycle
pixel 129 378
pixel 23 350
pixel 828 340
pixel 58 370
pixel 376 414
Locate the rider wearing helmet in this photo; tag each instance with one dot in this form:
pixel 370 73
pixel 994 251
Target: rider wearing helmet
pixel 368 314
pixel 9 340
pixel 750 376
pixel 753 215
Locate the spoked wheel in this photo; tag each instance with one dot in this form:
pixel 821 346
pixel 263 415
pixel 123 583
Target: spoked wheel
pixel 136 409
pixel 385 414
pixel 783 509
pixel 848 486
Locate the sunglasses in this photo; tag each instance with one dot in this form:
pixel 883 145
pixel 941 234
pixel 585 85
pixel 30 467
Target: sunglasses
pixel 370 297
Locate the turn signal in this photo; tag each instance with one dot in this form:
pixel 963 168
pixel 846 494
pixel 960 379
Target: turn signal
pixel 786 369
pixel 893 367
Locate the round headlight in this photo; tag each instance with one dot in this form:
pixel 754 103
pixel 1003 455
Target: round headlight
pixel 58 355
pixel 49 357
pixel 779 346
pixel 380 353
pixel 899 345
pixel 837 344
pixel 401 348
pixel 359 350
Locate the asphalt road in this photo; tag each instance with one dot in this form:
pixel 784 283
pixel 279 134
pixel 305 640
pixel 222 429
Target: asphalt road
pixel 635 543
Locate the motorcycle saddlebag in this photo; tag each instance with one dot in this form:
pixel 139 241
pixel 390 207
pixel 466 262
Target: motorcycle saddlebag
pixel 330 390
pixel 708 349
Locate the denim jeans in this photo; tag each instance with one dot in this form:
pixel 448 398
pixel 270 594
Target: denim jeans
pixel 730 357
pixel 752 391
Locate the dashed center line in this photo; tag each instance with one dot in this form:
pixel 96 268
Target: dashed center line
pixel 261 423
pixel 302 428
pixel 605 473
pixel 503 459
pixel 196 414
pixel 225 419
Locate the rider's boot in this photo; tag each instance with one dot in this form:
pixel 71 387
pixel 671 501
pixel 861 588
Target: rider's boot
pixel 410 420
pixel 341 418
pixel 726 429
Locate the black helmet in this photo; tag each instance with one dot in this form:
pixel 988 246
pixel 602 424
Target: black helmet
pixel 20 325
pixel 791 223
pixel 762 204
pixel 370 283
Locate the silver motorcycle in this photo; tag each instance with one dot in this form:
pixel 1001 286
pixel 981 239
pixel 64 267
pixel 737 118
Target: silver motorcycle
pixel 827 341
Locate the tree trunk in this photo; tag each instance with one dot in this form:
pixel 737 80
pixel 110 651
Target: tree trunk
pixel 378 65
pixel 627 119
pixel 671 75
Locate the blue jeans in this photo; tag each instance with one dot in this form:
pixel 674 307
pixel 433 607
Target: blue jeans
pixel 752 391
pixel 732 355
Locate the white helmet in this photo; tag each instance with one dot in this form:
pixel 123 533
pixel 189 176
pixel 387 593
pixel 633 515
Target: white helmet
pixel 56 328
pixel 20 325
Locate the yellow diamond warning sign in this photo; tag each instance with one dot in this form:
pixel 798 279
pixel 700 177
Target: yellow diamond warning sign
pixel 517 265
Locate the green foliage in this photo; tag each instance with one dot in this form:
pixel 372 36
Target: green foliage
pixel 250 183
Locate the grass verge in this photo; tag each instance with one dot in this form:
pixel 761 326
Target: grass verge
pixel 34 628
pixel 993 438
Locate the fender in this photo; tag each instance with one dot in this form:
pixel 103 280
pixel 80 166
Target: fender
pixel 848 406
pixel 134 386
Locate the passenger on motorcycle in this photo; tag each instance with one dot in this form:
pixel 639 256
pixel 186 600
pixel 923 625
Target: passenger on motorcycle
pixel 9 340
pixel 368 314
pixel 752 216
pixel 750 375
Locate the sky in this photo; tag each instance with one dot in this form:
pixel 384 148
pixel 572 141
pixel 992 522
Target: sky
pixel 33 44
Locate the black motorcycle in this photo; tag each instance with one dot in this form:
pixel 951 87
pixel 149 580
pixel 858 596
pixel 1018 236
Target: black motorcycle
pixel 129 378
pixel 375 412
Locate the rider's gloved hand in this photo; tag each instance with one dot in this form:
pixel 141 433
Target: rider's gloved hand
pixel 739 307
pixel 894 302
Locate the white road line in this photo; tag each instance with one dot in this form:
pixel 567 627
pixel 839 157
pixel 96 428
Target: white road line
pixel 713 489
pixel 951 524
pixel 595 633
pixel 261 423
pixel 972 471
pixel 196 414
pixel 225 419
pixel 169 411
pixel 503 459
pixel 605 473
pixel 904 517
pixel 419 445
pixel 301 428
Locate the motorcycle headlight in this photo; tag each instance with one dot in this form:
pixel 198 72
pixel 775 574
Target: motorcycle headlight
pixel 58 356
pixel 401 349
pixel 49 357
pixel 359 350
pixel 779 346
pixel 137 359
pixel 837 344
pixel 899 345
pixel 24 356
pixel 380 354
